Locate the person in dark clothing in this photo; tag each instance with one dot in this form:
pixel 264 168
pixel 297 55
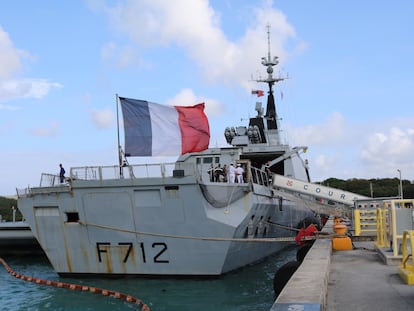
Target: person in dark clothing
pixel 62 173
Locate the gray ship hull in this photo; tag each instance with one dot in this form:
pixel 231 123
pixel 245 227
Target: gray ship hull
pixel 168 226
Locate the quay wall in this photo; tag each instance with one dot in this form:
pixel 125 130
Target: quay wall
pixel 308 287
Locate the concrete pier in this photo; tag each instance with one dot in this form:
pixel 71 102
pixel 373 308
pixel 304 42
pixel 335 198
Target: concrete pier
pixel 357 279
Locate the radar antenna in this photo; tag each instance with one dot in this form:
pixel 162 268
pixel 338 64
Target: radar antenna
pixel 269 62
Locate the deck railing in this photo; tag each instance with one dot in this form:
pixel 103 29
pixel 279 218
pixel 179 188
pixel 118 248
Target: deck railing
pixel 260 177
pixel 156 170
pixel 49 180
pixel 123 172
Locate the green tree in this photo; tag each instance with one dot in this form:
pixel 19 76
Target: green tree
pixel 6 209
pixel 385 187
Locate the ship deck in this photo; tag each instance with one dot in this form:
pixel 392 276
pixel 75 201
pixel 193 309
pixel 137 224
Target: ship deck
pixel 360 279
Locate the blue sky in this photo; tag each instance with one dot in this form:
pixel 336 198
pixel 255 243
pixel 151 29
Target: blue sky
pixel 348 97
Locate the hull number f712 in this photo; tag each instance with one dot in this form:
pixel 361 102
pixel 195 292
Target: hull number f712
pixel 160 249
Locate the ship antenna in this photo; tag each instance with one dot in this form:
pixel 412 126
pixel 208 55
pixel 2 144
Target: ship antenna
pixel 268 62
pixel 268 41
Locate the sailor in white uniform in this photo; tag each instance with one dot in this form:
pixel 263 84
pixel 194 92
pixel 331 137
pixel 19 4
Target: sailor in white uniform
pixel 239 173
pixel 232 173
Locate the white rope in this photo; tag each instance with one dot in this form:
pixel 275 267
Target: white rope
pixel 261 240
pixel 227 208
pixel 291 228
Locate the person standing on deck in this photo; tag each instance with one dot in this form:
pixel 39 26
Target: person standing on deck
pixel 232 173
pixel 62 173
pixel 218 173
pixel 211 172
pixel 225 173
pixel 239 173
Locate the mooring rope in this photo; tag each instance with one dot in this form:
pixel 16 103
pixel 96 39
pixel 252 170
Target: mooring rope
pixel 227 209
pixel 84 288
pixel 281 239
pixel 274 224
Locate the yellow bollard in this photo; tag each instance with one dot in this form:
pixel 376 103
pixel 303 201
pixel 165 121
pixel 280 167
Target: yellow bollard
pixel 341 242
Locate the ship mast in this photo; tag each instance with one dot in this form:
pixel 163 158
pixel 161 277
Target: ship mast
pixel 262 129
pixel 271 115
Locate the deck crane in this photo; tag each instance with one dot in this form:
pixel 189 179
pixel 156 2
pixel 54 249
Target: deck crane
pixel 320 198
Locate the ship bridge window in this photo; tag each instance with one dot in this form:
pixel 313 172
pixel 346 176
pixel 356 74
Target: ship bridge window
pixel 208 160
pixel 72 217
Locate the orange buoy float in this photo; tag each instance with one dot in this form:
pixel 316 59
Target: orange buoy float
pixel 104 292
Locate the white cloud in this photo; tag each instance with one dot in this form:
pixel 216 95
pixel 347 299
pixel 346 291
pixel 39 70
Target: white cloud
pixel 158 22
pixel 322 164
pixel 102 118
pixel 10 65
pixel 332 131
pixel 10 62
pixel 26 88
pixel 186 97
pixel 195 27
pixel 340 149
pixel 389 150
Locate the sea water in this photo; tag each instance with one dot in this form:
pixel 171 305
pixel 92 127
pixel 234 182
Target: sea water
pixel 249 288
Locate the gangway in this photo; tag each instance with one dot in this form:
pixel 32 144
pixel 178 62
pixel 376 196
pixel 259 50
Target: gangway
pixel 324 199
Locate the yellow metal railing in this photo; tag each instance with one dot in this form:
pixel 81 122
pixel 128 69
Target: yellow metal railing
pixel 365 221
pixel 386 223
pixel 382 221
pixel 383 236
pixel 406 269
pixel 394 204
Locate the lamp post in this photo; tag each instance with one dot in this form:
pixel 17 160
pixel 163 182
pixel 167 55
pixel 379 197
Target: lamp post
pixel 401 188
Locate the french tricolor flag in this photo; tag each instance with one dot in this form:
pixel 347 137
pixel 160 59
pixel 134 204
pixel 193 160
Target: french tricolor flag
pixel 258 92
pixel 157 130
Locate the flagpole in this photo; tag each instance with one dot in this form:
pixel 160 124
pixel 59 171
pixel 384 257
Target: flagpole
pixel 119 140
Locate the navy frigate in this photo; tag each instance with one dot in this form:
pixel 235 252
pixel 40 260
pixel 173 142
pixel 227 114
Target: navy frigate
pixel 174 219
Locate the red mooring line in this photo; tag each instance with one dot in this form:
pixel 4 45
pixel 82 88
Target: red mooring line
pixel 71 286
